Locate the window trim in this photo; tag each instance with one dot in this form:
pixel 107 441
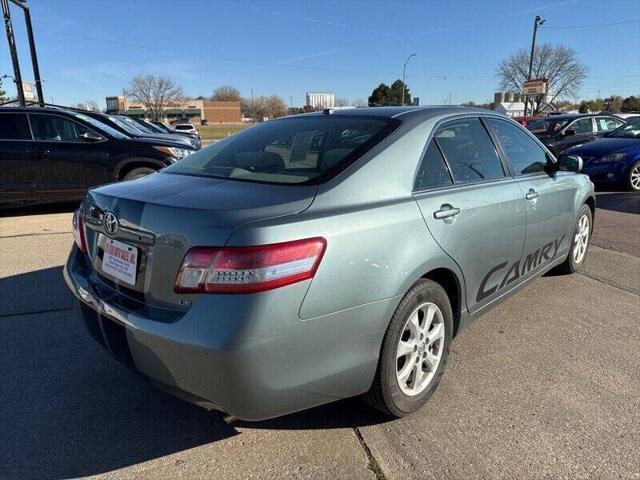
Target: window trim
pixel 503 153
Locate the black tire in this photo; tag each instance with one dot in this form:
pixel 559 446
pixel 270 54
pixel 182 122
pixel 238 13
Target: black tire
pixel 138 172
pixel 570 265
pixel 632 177
pixel 385 393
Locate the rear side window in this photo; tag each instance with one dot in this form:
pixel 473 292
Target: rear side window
pixel 52 128
pixel 14 126
pixel 469 151
pixel 604 124
pixel 433 171
pixel 523 152
pixel 292 150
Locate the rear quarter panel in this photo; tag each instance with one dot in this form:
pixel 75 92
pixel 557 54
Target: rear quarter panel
pixel 377 242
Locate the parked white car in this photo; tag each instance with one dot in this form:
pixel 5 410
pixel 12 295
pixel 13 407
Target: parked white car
pixel 186 128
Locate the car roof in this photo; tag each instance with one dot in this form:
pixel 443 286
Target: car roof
pixel 421 113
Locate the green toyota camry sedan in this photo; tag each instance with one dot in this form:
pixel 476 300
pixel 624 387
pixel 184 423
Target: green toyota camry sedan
pixel 323 256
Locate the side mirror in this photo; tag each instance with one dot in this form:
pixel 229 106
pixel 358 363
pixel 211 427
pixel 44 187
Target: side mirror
pixel 570 163
pixel 569 131
pixel 91 137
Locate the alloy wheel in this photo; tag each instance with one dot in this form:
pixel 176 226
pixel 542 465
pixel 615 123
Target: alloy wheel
pixel 581 239
pixel 420 349
pixel 635 177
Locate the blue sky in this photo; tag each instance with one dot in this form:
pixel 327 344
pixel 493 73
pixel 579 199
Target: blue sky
pixel 91 49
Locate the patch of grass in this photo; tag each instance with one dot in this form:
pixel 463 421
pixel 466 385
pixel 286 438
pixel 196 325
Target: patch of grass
pixel 218 131
pixel 375 468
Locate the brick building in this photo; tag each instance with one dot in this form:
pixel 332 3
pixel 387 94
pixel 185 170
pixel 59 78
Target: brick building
pixel 192 110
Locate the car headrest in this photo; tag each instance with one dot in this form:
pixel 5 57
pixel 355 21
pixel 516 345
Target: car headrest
pixel 259 160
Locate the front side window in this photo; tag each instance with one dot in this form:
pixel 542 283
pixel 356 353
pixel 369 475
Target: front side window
pixel 291 150
pixel 523 152
pixel 14 126
pixel 469 151
pixel 433 170
pixel 582 125
pixel 53 128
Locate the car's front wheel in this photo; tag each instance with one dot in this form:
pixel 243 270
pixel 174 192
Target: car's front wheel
pixel 138 173
pixel 633 180
pixel 579 242
pixel 414 351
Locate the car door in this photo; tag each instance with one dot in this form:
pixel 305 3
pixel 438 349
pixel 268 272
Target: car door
pixel 549 197
pixel 65 161
pixel 15 171
pixel 472 208
pixel 577 132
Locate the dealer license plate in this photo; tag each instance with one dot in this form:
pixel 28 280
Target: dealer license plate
pixel 120 261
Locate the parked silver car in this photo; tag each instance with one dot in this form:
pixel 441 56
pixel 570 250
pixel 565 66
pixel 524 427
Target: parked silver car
pixel 323 256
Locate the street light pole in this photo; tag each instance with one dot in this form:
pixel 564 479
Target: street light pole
pixel 536 23
pixel 404 76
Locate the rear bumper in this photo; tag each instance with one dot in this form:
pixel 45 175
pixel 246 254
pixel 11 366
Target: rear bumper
pixel 248 355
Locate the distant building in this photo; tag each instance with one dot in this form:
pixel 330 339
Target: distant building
pixel 321 99
pixel 511 109
pixel 192 110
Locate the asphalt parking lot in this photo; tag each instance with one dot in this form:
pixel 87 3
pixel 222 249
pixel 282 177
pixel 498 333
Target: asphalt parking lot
pixel 547 385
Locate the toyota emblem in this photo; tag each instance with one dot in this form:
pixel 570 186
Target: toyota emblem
pixel 110 222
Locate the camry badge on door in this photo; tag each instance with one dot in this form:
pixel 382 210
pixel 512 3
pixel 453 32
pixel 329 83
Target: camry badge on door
pixel 110 222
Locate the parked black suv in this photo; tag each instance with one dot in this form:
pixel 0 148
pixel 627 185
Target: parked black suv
pixel 559 132
pixel 132 128
pixel 50 155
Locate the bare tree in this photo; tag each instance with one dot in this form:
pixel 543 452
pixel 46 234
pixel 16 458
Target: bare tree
pixel 268 107
pixel 559 65
pixel 90 105
pixel 155 93
pixel 359 102
pixel 341 102
pixel 226 93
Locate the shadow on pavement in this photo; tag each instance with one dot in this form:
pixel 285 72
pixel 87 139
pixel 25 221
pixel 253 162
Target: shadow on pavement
pixel 626 202
pixel 39 291
pixel 70 410
pixel 39 209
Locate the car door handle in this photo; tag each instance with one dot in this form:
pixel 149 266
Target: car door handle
pixel 446 211
pixel 531 194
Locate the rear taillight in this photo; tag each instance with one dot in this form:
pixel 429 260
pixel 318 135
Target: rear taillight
pixel 249 269
pixel 79 233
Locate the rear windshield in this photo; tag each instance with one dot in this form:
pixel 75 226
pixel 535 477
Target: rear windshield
pixel 294 150
pixel 184 127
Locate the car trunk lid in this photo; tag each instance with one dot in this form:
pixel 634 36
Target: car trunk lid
pixel 160 217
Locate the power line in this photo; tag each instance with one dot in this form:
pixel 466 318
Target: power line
pixel 597 25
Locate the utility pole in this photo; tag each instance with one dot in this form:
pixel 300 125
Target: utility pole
pixel 17 78
pixel 32 48
pixel 536 23
pixel 404 76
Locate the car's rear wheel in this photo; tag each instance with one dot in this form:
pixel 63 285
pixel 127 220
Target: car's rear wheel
pixel 138 172
pixel 579 242
pixel 633 181
pixel 414 351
